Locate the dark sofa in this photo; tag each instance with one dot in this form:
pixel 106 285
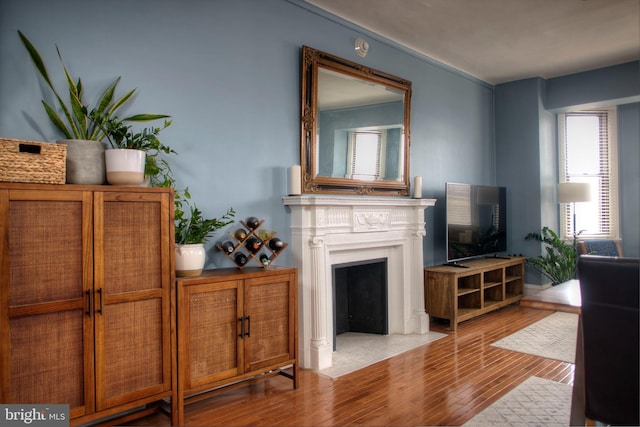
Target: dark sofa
pixel 610 290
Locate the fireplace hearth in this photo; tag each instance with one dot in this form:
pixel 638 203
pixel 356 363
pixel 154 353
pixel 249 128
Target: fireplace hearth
pixel 334 230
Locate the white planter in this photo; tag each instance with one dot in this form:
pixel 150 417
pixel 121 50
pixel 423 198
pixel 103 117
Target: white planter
pixel 125 166
pixel 189 260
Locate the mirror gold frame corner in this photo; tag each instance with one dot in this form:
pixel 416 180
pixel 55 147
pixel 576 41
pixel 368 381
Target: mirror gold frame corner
pixel 396 153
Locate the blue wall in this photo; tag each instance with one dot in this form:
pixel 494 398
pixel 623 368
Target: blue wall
pixel 615 85
pixel 228 71
pixel 629 173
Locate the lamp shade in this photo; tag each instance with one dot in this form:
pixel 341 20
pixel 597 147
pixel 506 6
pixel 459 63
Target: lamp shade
pixel 570 192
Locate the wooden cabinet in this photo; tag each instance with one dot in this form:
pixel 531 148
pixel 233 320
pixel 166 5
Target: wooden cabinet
pixel 235 325
pixel 85 297
pixel 459 294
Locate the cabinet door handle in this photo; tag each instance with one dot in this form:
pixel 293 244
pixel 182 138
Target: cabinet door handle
pixel 88 303
pixel 241 320
pixel 248 326
pixel 100 295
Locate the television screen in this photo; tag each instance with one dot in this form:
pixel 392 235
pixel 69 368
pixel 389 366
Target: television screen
pixel 476 220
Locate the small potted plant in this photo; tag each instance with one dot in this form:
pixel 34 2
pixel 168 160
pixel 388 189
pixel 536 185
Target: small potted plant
pixel 192 230
pixel 84 136
pixel 134 155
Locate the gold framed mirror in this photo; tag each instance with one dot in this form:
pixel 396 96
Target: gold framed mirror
pixel 355 133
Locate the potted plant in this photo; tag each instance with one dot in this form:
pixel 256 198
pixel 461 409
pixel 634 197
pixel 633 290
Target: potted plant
pixel 85 149
pixel 134 155
pixel 192 230
pixel 559 262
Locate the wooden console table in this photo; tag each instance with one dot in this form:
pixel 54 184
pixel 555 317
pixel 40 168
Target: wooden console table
pixel 566 297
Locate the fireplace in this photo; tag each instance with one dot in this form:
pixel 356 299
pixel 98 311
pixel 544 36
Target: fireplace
pixel 360 298
pixel 334 230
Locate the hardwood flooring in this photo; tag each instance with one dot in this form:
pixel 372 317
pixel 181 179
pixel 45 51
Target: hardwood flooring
pixel 445 382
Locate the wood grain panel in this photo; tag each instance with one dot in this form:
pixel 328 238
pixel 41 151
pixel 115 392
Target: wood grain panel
pixel 213 323
pixel 129 265
pixel 45 250
pixel 47 358
pixel 132 358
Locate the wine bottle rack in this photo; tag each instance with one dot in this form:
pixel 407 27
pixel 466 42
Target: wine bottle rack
pixel 239 246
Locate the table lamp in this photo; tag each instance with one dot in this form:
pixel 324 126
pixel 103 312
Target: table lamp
pixel 572 192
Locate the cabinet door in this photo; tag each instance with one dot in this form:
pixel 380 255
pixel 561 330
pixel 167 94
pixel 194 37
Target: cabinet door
pixel 270 302
pixel 210 326
pixel 132 289
pixel 46 274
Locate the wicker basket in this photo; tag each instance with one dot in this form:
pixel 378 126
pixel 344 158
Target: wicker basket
pixel 35 162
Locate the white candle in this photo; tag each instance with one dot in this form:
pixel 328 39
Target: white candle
pixel 295 183
pixel 417 187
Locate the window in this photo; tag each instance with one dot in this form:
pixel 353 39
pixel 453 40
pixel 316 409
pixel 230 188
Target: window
pixel 366 153
pixel 588 153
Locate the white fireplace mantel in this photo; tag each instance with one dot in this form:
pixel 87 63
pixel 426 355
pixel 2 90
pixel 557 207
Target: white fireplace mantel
pixel 330 230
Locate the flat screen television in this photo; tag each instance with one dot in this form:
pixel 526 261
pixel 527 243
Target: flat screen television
pixel 476 221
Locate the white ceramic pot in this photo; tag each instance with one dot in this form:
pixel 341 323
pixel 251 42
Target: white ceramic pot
pixel 125 166
pixel 85 161
pixel 189 260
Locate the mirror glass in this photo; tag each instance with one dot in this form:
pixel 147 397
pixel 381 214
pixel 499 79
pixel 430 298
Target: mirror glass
pixel 355 128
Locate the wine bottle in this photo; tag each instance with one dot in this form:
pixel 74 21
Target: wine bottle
pixel 253 245
pixel 264 260
pixel 241 234
pixel 227 246
pixel 240 259
pixel 252 222
pixel 264 235
pixel 276 244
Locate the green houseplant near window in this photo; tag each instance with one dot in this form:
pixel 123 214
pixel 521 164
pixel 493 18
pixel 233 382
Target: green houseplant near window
pixel 85 151
pixel 192 230
pixel 559 262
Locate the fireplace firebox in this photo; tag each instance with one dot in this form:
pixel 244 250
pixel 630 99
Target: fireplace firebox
pixel 360 298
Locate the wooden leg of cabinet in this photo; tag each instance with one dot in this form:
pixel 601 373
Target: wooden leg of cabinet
pixel 177 410
pixel 293 376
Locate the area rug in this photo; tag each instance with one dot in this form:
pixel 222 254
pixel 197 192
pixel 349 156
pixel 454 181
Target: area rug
pixel 553 337
pixel 535 402
pixel 356 350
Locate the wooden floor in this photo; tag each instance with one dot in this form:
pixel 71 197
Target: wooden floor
pixel 445 382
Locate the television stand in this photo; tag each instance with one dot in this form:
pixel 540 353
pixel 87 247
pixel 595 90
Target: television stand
pixel 486 284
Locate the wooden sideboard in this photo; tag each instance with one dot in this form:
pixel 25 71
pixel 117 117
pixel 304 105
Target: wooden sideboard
pixel 85 298
pixel 459 293
pixel 235 325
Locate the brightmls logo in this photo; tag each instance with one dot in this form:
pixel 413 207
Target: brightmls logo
pixel 34 415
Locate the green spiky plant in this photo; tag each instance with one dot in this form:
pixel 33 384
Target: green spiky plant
pixel 194 227
pixel 559 262
pixel 75 122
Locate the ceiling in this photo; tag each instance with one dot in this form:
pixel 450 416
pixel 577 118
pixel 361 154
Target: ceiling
pixel 499 41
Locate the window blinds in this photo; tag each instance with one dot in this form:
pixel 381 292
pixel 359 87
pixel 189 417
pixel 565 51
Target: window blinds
pixel 588 154
pixel 366 160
